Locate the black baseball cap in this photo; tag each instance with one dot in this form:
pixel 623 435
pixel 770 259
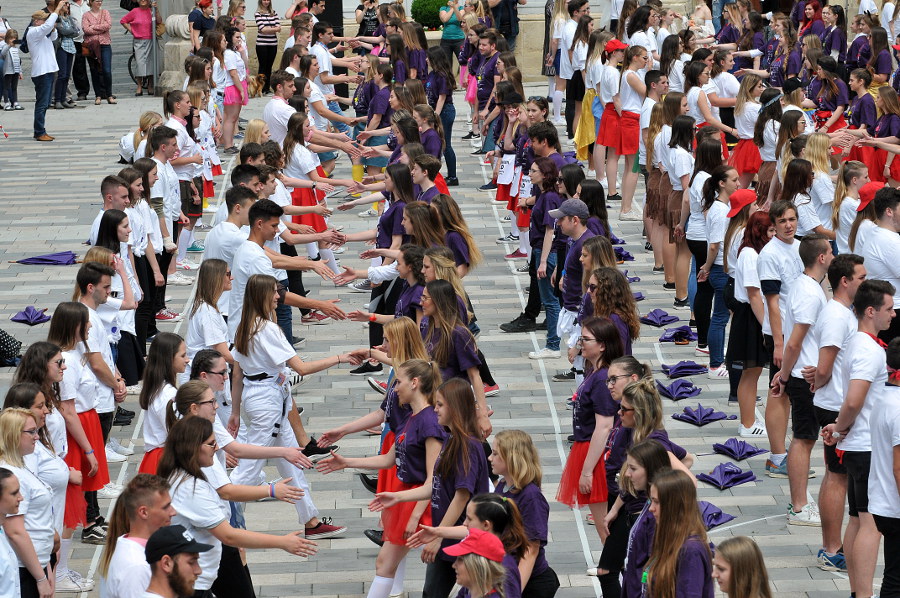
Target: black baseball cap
pixel 172 540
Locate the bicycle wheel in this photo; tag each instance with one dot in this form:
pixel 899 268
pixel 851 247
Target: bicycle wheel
pixel 131 66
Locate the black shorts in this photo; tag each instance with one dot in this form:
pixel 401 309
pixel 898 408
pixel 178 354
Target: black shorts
pixel 832 461
pixel 191 209
pixel 857 464
pixel 803 415
pixel 769 344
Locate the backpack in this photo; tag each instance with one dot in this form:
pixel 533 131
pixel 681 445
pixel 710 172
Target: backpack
pixel 23 43
pixel 127 4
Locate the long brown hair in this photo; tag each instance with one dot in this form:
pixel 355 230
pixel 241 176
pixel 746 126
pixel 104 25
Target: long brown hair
pixel 614 296
pixel 257 310
pixel 444 321
pixel 210 283
pixel 426 224
pixel 181 454
pixel 452 220
pixel 462 423
pixel 160 368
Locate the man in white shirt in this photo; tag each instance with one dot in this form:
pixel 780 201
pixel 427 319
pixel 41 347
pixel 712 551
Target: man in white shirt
pixel 833 329
pixel 779 266
pixel 864 370
pixel 114 192
pixel 226 237
pixel 174 557
pixel 323 34
pixel 147 507
pixel 277 112
pixel 40 37
pixel 882 249
pixel 804 304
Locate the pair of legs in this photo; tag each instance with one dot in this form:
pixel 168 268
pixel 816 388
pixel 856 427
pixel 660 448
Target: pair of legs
pixel 629 184
pixel 229 124
pixel 833 491
pixel 862 538
pixel 388 564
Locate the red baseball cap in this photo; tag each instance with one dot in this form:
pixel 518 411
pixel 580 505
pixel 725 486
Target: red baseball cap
pixel 481 543
pixel 867 194
pixel 613 45
pixel 739 199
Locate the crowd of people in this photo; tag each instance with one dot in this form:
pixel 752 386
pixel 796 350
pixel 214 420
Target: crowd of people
pixel 772 217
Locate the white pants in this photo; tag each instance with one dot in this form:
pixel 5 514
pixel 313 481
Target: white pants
pixel 265 409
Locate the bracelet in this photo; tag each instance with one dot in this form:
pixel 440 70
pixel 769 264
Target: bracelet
pixel 339 359
pixel 42 580
pixel 372 318
pixel 370 353
pixel 271 490
pixel 90 452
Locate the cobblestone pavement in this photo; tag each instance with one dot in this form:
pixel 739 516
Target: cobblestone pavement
pixel 49 194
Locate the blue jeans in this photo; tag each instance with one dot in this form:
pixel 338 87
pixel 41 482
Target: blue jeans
pixel 448 115
pixel 101 73
pixel 285 319
pixel 43 89
pixel 548 297
pixel 692 283
pixel 717 13
pixel 342 127
pixel 65 62
pixel 718 278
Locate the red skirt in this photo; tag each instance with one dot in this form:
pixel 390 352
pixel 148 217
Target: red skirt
pixel 396 518
pixel 608 134
pixel 387 478
pixel 150 462
pixel 441 184
pixel 523 218
pixel 873 157
pixel 76 458
pixel 724 141
pixel 568 493
pixel 304 196
pixel 217 170
pixel 629 133
pixel 76 508
pixel 504 193
pixel 209 189
pixel 895 168
pixel 745 158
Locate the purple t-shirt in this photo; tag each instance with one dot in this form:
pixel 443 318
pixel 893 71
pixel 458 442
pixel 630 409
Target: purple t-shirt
pixel 458 246
pixel 417 61
pixel 662 437
pixel 535 516
pixel 728 35
pixel 428 195
pixel 617 445
pixel 835 39
pixel 395 414
pixel 863 112
pixel 379 104
pixel 485 74
pixel 888 126
pixel 363 96
pixel 586 309
pixel 883 63
pixel 436 85
pixel 693 576
pixel 540 219
pixel 640 542
pixel 412 465
pixel 798 13
pixel 432 142
pixel 512 584
pixel 825 98
pixel 463 355
pixel 471 476
pixel 758 43
pixel 624 333
pixel 592 399
pixel 401 72
pixel 571 291
pixel 859 53
pixel 390 224
pixel 816 28
pixel 596 226
pixel 558 159
pixel 409 303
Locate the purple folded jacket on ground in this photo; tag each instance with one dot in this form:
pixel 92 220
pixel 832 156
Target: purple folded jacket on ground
pixel 727 475
pixel 632 278
pixel 622 255
pixel 659 318
pixel 684 368
pixel 31 316
pixel 701 415
pixel 738 449
pixel 61 258
pixel 680 389
pixel 712 515
pixel 639 296
pixel 680 333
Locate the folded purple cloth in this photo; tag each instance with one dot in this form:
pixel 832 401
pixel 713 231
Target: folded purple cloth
pixel 31 316
pixel 61 258
pixel 680 389
pixel 632 278
pixel 684 368
pixel 701 415
pixel 659 318
pixel 681 333
pixel 738 449
pixel 639 296
pixel 727 475
pixel 712 515
pixel 622 255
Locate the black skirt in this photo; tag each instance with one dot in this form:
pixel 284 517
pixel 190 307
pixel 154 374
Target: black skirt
pixel 745 340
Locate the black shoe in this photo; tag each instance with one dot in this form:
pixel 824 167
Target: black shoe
pixel 692 323
pixel 615 197
pixel 669 285
pixel 520 324
pixel 312 449
pixel 452 181
pixel 681 303
pixel 648 246
pixel 471 135
pixel 479 152
pixel 300 409
pixel 370 483
pixel 659 269
pixel 82 97
pixel 376 535
pixel 542 325
pixel 125 412
pixel 488 186
pixel 571 438
pixel 568 376
pixel 297 342
pixel 122 421
pixel 367 368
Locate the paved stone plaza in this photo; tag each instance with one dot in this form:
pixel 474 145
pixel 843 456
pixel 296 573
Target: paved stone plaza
pixel 49 194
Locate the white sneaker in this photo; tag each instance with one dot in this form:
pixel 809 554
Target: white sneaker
pixel 107 492
pixel 719 373
pixel 370 213
pixel 559 122
pixel 757 430
pixel 187 264
pixel 179 280
pixel 134 389
pixel 114 457
pixel 544 353
pixel 701 351
pixel 808 516
pixel 632 216
pixel 115 445
pixel 69 583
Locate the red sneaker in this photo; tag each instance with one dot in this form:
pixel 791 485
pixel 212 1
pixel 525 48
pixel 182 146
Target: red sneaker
pixel 516 255
pixel 165 316
pixel 325 529
pixel 491 391
pixel 377 385
pixel 315 318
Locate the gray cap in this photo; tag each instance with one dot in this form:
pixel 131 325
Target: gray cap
pixel 571 207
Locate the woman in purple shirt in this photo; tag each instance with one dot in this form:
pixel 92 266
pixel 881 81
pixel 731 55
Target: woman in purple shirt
pixel 834 43
pixel 874 150
pixel 459 474
pixel 880 63
pixel 412 283
pixel 415 452
pixel 458 238
pixel 398 57
pixel 431 130
pixel 831 98
pixel 613 299
pixel 680 564
pixel 812 21
pixel 439 88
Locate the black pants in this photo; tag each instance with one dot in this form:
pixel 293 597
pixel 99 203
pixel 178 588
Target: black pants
pixel 164 260
pixel 266 57
pixel 130 359
pixel 705 292
pixel 574 95
pixel 451 48
pixel 533 307
pixel 543 585
pixel 28 584
pixel 890 529
pixel 439 579
pixel 294 277
pixel 383 301
pixel 233 578
pixel 79 73
pixel 484 371
pixel 144 314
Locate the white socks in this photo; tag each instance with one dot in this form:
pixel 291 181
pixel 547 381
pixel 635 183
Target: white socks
pixel 524 245
pixel 513 228
pixel 399 575
pixel 328 256
pixel 184 241
pixel 381 587
pixel 312 250
pixel 557 104
pixel 62 567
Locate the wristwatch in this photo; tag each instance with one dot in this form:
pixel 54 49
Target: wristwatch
pixel 836 435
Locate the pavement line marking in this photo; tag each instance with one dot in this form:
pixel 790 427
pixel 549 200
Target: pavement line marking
pixel 554 417
pixel 728 527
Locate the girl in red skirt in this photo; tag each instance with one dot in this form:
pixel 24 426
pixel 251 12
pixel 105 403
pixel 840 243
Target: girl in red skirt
pixel 166 360
pixel 509 177
pixel 631 97
pixel 873 151
pixel 765 137
pixel 594 412
pixel 745 158
pixel 608 132
pixel 415 452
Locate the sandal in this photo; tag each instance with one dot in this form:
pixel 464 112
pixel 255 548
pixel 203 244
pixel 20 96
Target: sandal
pixel 97 101
pixel 111 100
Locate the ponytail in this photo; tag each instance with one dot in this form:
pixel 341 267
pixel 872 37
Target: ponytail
pixel 190 393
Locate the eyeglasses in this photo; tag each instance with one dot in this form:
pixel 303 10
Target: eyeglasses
pixel 206 402
pixel 212 445
pixel 625 409
pixel 611 380
pixel 60 362
pixel 32 431
pixel 426 297
pixel 583 339
pixel 223 373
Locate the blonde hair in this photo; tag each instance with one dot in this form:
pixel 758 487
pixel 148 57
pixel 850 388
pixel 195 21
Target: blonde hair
pixel 444 265
pixel 146 122
pixel 745 94
pixel 523 463
pixel 12 424
pixel 850 170
pixel 648 410
pixel 405 339
pixel 96 254
pixel 656 124
pixel 253 134
pixel 818 150
pixel 749 578
pixel 484 574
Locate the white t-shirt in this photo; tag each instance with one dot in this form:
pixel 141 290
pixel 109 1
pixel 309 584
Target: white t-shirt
pixel 54 473
pixel 276 114
pixel 220 77
pixel 734 245
pixel 609 84
pixel 846 216
pixel 716 225
pixel 631 99
pixel 56 427
pixel 221 243
pixel 780 261
pixel 727 86
pixel 807 217
pixel 300 163
pixel 746 120
pixel 566 69
pixel 199 509
pixel 98 342
pixel 661 147
pixel 233 61
pixel 167 188
pixel 770 139
pixel 835 327
pixel 804 303
pixel 681 163
pixel 647 40
pixel 696 224
pixel 321 52
pixel 867 6
pixel 79 382
pixel 37 509
pixel 883 497
pixel 579 55
pixel 269 352
pixel 249 259
pixel 646 110
pixel 9 570
pixel 866 226
pixel 316 95
pixel 187 148
pixel 676 76
pixel 206 329
pixel 129 572
pixel 693 96
pixel 746 274
pixel 882 254
pixel 865 360
pixel 155 431
pixel 822 195
pixel 593 73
